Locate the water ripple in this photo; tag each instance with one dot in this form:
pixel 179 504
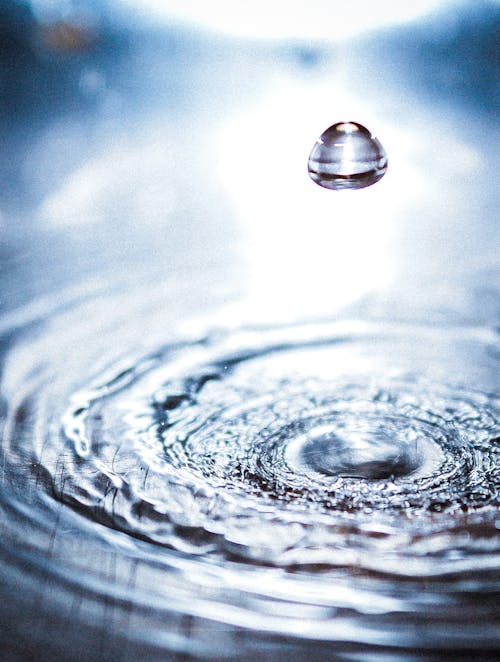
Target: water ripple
pixel 320 474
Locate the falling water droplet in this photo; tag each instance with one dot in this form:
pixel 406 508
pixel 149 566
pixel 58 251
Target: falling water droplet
pixel 347 156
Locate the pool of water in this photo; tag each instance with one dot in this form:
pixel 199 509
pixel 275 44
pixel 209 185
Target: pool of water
pixel 244 416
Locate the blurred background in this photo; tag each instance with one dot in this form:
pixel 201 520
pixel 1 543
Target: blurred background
pixel 153 168
pixel 173 138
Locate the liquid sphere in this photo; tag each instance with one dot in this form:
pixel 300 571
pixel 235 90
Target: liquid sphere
pixel 347 156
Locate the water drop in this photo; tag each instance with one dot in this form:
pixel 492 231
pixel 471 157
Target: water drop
pixel 347 156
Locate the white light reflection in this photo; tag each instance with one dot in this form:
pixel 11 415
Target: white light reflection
pixel 111 189
pixel 308 250
pixel 290 19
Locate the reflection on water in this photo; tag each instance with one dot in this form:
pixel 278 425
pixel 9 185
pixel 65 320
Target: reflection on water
pixel 243 416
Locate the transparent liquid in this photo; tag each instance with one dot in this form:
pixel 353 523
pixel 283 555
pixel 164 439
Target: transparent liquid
pixel 261 478
pixel 316 491
pixel 347 156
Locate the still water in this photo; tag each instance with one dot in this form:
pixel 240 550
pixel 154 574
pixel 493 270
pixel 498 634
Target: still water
pixel 244 417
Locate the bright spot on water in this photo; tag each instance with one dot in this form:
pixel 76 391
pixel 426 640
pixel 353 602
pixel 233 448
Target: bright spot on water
pixel 285 19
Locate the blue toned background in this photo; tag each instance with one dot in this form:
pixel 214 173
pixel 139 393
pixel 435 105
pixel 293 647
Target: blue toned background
pixel 153 175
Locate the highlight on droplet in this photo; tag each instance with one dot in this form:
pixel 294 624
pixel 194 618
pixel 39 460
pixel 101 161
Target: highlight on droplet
pixel 347 156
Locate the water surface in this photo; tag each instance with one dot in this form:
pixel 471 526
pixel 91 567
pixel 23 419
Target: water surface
pixel 242 416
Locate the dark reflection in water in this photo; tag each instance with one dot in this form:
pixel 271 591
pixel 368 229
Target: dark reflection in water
pixel 187 471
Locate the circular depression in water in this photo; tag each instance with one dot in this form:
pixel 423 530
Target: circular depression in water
pixel 283 431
